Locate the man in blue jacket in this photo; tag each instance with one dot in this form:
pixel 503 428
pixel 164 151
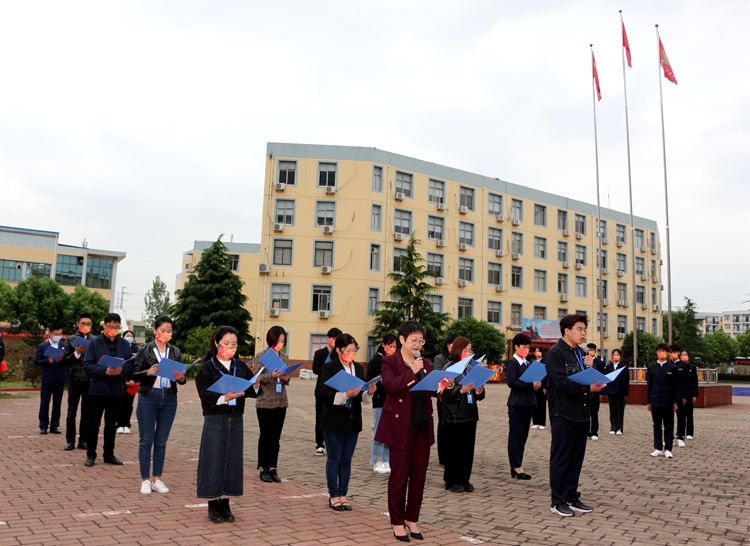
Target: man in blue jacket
pixel 662 395
pixel 107 387
pixel 54 377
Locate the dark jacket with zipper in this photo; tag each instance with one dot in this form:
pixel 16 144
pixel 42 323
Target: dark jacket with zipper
pixel 209 374
pixel 101 383
pixel 567 398
pixel 340 419
pixel 373 370
pixel 456 407
pixel 73 363
pixel 144 359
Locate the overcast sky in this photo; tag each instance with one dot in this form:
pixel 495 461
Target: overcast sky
pixel 142 126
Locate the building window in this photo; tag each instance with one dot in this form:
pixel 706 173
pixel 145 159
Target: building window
pixel 287 172
pixel 640 324
pixel 376 218
pixel 652 241
pixel 603 293
pixel 281 296
pixel 494 239
pixel 436 191
pixel 323 254
pixel 436 300
pixel 466 197
pixel 404 183
pixel 69 270
pixel 540 280
pixel 466 233
pixel 373 300
pixel 435 226
pixel 465 307
pixel 640 266
pixel 40 271
pixel 516 243
pixel 466 269
pixel 374 257
pixel 562 283
pixel 402 222
pixel 654 299
pixel 622 291
pixel 540 313
pixel 562 312
pixel 622 262
pixel 602 233
pixel 399 257
pixel 317 341
pixel 620 234
pixel 435 263
pixel 327 175
pixel 540 215
pixel 325 213
pixel 495 207
pixel 372 347
pixel 581 287
pixel 580 255
pixel 11 271
pixel 562 251
pixel 234 262
pixel 562 220
pixel 540 248
pixel 282 252
pixel 321 297
pixel 494 312
pixel 603 260
pixel 640 294
pixel 516 210
pixel 598 323
pixel 622 327
pixel 516 310
pixel 494 273
pixel 639 241
pixel 516 276
pixel 377 178
pixel 653 269
pixel 284 212
pixel 654 327
pixel 580 223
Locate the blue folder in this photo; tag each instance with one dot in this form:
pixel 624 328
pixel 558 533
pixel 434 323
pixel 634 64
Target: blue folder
pixel 592 376
pixel 167 366
pixel 534 373
pixel 271 361
pixel 373 381
pixel 459 366
pixel 51 352
pixel 230 383
pixel 432 380
pixel 112 362
pixel 343 381
pixel 291 369
pixel 479 375
pixel 81 341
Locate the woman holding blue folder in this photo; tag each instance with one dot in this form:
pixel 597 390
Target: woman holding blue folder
pixel 341 420
pixel 222 442
pixel 157 403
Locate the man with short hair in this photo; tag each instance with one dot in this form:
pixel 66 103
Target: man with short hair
pixel 570 412
pixel 78 382
pixel 53 379
pixel 661 400
pixel 598 365
pixel 319 358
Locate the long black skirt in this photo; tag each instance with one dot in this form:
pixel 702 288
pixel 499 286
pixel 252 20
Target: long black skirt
pixel 220 462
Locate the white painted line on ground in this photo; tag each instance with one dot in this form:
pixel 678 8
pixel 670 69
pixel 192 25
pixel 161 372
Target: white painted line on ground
pixel 191 460
pixel 472 540
pixel 16 437
pixel 110 513
pixel 201 505
pixel 308 496
pixel 52 465
pixel 3 523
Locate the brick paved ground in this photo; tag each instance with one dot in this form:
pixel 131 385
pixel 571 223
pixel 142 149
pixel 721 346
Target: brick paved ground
pixel 700 497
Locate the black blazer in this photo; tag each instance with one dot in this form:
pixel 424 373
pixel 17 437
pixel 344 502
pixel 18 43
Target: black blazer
pixel 101 383
pixel 521 393
pixel 54 372
pixel 209 374
pixel 661 385
pixel 691 387
pixel 340 419
pixel 144 359
pixel 373 370
pixel 319 359
pixel 621 385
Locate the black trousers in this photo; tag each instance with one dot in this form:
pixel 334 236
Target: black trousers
pixel 539 417
pixel 440 435
pixel 595 403
pixel 319 440
pixel 685 419
pixel 53 392
pixel 616 411
pixel 519 422
pixel 78 392
pixel 566 455
pixel 126 410
pixel 109 406
pixel 458 454
pixel 663 417
pixel 270 422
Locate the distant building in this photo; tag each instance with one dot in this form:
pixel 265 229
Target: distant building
pixel 733 323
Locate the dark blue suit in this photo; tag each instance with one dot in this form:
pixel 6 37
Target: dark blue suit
pixel 54 377
pixel 521 404
pixel 617 390
pixel 662 392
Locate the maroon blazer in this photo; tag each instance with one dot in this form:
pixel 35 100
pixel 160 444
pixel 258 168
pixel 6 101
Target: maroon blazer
pixel 394 421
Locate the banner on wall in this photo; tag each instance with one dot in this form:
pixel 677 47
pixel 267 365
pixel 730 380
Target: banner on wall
pixel 540 329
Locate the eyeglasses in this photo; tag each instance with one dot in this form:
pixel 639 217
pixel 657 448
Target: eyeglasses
pixel 87 323
pixel 417 342
pixel 579 329
pixel 352 351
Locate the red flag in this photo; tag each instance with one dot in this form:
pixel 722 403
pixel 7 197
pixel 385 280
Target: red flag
pixel 626 44
pixel 668 72
pixel 596 77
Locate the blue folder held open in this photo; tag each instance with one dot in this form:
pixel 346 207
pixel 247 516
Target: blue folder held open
pixel 373 381
pixel 592 376
pixel 81 341
pixel 479 375
pixel 230 383
pixel 291 369
pixel 432 380
pixel 343 381
pixel 534 373
pixel 167 366
pixel 459 366
pixel 271 361
pixel 51 352
pixel 112 362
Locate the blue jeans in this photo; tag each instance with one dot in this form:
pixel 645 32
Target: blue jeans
pixel 378 451
pixel 340 450
pixel 155 414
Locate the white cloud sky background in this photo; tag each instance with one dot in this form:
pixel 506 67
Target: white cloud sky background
pixel 142 126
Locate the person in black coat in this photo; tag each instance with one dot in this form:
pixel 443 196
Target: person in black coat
pixel 617 392
pixel 342 419
pixel 598 365
pixel 78 383
pixel 441 362
pixel 131 389
pixel 521 404
pixel 54 377
pixel 662 395
pixel 379 453
pixel 319 359
pixel 539 417
pixel 689 398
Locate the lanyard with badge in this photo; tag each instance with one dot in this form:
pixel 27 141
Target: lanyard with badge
pixel 232 402
pixel 579 357
pixel 163 381
pixel 348 404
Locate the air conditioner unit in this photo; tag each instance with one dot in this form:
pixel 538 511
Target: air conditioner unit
pixel 398 236
pixel 399 196
pixel 463 209
pixel 516 222
pixel 579 235
pixel 620 243
pixel 280 186
pixel 644 277
pixel 501 217
pixel 330 190
pixel 620 273
pixel 264 268
pixel 327 230
pixel 643 249
pixel 441 206
pixel 626 304
pixel 621 303
pixel 441 243
pixel 566 265
pixel 605 241
pixel 566 233
pixel 439 280
pixel 462 283
pixel 656 280
pixel 499 288
pixel 620 335
pixel 654 251
pixel 500 253
pixel 605 302
pixel 278 227
pixel 644 306
pixel 326 270
pixel 515 255
pixel 605 271
pixel 606 335
pixel 563 298
pixel 656 308
pixel 274 312
pixel 324 314
pixel 579 266
pixel 463 246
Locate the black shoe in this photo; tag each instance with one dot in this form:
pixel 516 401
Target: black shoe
pixel 90 461
pixel 563 510
pixel 274 476
pixel 402 538
pixel 214 513
pixel 112 460
pixel 70 447
pixel 226 513
pixel 455 488
pixel 416 536
pixel 55 430
pixel 42 430
pixel 578 506
pixel 468 487
pixel 83 445
pixel 265 476
pixel 337 506
pixel 519 475
pixel 346 506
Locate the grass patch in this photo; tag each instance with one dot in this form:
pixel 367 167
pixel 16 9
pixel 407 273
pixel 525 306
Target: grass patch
pixel 15 385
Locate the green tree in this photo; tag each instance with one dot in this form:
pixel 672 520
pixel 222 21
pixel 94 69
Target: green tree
pixel 646 348
pixel 485 338
pixel 199 341
pixel 7 306
pixel 720 347
pixel 158 302
pixel 83 300
pixel 37 303
pixel 408 301
pixel 686 330
pixel 743 344
pixel 213 295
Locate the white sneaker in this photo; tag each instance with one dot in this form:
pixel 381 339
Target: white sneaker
pixel 541 427
pixel 387 467
pixel 320 452
pixel 121 430
pixel 656 453
pixel 688 437
pixel 159 487
pixel 611 431
pixel 668 454
pixel 534 426
pixel 680 443
pixel 378 467
pixel 595 437
pixel 126 430
pixel 619 433
pixel 146 487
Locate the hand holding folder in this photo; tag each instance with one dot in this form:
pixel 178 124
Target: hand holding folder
pixel 51 352
pixel 479 375
pixel 167 366
pixel 271 361
pixel 111 362
pixel 81 341
pixel 431 381
pixel 592 376
pixel 230 384
pixel 343 381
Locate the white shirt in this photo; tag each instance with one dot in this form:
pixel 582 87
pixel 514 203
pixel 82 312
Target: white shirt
pixel 161 382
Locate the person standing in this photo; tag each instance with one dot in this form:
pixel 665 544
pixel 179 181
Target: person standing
pixel 379 452
pixel 521 404
pixel 570 404
pixel 157 403
pixel 78 383
pixel 220 465
pixel 662 395
pixel 107 387
pixel 689 398
pixel 539 417
pixel 441 362
pixel 617 392
pixel 270 407
pixel 319 358
pixel 681 380
pixel 54 377
pixel 131 389
pixel 598 365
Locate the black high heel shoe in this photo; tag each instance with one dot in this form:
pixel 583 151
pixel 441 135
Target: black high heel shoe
pixel 402 538
pixel 416 536
pixel 519 475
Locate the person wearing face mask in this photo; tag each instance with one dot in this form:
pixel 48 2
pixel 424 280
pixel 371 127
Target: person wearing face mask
pixel 320 357
pixel 220 460
pixel 131 389
pixel 54 377
pixel 107 387
pixel 157 403
pixel 617 392
pixel 379 452
pixel 78 383
pixel 342 420
pixel 521 404
pixel 270 407
pixel 689 398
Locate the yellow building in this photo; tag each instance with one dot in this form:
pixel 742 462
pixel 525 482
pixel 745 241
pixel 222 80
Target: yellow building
pixel 733 323
pixel 337 219
pixel 30 252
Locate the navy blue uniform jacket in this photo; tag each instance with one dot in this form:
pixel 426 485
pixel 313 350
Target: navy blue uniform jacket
pixel 621 385
pixel 521 393
pixel 101 383
pixel 54 372
pixel 661 385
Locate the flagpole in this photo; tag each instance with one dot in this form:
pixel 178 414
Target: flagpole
pixel 600 288
pixel 630 191
pixel 666 192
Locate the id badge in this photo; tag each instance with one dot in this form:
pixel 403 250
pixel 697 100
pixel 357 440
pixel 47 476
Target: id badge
pixel 348 404
pixel 232 402
pixel 278 388
pixel 163 382
pixel 470 398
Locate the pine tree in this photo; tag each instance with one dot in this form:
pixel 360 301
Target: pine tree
pixel 408 301
pixel 213 295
